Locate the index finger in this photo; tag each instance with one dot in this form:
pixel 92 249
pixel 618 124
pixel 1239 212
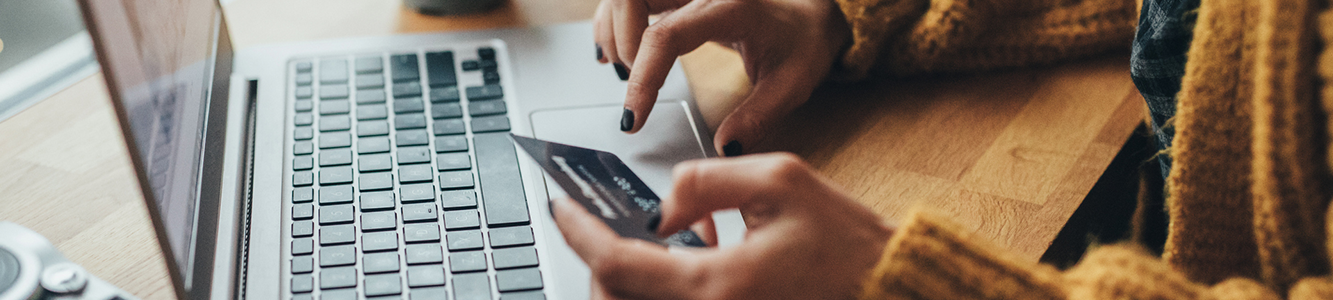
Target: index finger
pixel 664 41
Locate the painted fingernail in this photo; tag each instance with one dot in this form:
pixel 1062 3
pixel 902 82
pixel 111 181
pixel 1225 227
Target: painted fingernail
pixel 732 149
pixel 653 222
pixel 627 120
pixel 599 52
pixel 620 70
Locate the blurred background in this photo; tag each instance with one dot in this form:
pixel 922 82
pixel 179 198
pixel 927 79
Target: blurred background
pixel 46 49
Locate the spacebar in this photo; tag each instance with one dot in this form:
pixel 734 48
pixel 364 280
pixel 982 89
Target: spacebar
pixel 501 186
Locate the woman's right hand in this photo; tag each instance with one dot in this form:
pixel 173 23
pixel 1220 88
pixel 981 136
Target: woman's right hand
pixel 788 47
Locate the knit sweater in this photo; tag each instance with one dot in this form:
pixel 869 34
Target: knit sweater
pixel 1249 190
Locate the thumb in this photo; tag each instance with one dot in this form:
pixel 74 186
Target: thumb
pixel 757 183
pixel 774 96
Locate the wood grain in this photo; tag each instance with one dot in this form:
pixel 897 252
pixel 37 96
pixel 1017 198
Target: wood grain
pixel 1010 154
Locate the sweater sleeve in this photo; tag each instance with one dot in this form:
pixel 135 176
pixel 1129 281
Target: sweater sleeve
pixel 905 37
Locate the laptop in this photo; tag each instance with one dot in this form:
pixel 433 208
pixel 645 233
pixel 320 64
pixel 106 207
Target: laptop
pixel 368 168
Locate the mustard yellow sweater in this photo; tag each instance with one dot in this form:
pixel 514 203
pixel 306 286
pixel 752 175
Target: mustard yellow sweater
pixel 1250 187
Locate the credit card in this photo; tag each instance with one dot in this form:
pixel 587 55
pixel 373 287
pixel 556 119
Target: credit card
pixel 604 185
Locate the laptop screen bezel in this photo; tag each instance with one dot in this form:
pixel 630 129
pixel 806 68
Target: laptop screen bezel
pixel 194 280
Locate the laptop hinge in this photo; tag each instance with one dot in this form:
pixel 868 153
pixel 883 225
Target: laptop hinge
pixel 252 92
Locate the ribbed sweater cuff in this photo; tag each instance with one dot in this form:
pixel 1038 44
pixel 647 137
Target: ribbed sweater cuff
pixel 931 258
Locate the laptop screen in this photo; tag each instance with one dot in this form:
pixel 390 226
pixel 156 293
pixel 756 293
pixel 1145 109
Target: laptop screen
pixel 157 56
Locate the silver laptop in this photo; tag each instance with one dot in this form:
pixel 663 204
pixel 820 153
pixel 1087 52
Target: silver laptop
pixel 374 167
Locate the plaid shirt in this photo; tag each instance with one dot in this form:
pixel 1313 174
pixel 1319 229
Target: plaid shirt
pixel 1158 62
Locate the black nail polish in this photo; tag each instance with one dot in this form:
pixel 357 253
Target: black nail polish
pixel 732 149
pixel 627 120
pixel 622 71
pixel 653 222
pixel 599 51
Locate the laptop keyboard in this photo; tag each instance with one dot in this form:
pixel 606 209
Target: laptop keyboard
pixel 404 184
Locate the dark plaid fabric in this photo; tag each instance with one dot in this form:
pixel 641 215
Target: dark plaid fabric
pixel 1158 62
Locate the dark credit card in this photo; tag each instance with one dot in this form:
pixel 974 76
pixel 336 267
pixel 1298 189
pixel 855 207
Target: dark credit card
pixel 607 188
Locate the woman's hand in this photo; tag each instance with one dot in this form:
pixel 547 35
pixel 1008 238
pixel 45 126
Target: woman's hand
pixel 807 239
pixel 788 47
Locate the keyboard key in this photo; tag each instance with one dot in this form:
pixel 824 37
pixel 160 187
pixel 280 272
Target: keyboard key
pixel 380 262
pixel 304 67
pixel 484 92
pixel 338 234
pixel 334 107
pixel 336 157
pixel 518 280
pixel 304 92
pixel 372 128
pixel 409 105
pixel 455 180
pixel 461 219
pixel 430 232
pixel 375 96
pixel 413 155
pixel 303 264
pixel 302 283
pixel 414 173
pixel 303 148
pixel 486 53
pixel 514 258
pixel 303 119
pixel 303 246
pixel 453 161
pixel 303 195
pixel 464 240
pixel 430 293
pixel 335 123
pixel 337 256
pixel 371 112
pixel 384 284
pixel 490 124
pixel 303 228
pixel 440 68
pixel 373 221
pixel 511 236
pixel 406 89
pixel 472 286
pixel 332 71
pixel 304 105
pixel 489 65
pixel 369 64
pixel 303 178
pixel 302 297
pixel 419 212
pixel 471 65
pixel 410 121
pixel 451 143
pixel 343 294
pixel 334 214
pixel 490 76
pixel 424 254
pixel 334 140
pixel 380 241
pixel 468 261
pixel 303 211
pixel 302 163
pixel 303 133
pixel 420 276
pixel 404 67
pixel 497 165
pixel 374 162
pixel 335 175
pixel 369 81
pixel 444 94
pixel 458 199
pixel 376 201
pixel 482 108
pixel 449 126
pixel 333 278
pixel 528 295
pixel 327 92
pixel 304 79
pixel 335 195
pixel 376 181
pixel 446 110
pixel 417 192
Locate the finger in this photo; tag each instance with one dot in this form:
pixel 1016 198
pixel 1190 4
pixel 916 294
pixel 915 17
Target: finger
pixel 706 230
pixel 623 267
pixel 672 36
pixel 604 32
pixel 766 181
pixel 631 18
pixel 775 94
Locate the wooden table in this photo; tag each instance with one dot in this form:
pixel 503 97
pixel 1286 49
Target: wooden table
pixel 1011 154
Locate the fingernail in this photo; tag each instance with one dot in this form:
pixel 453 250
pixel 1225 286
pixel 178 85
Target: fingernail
pixel 599 52
pixel 627 120
pixel 732 149
pixel 620 70
pixel 653 222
